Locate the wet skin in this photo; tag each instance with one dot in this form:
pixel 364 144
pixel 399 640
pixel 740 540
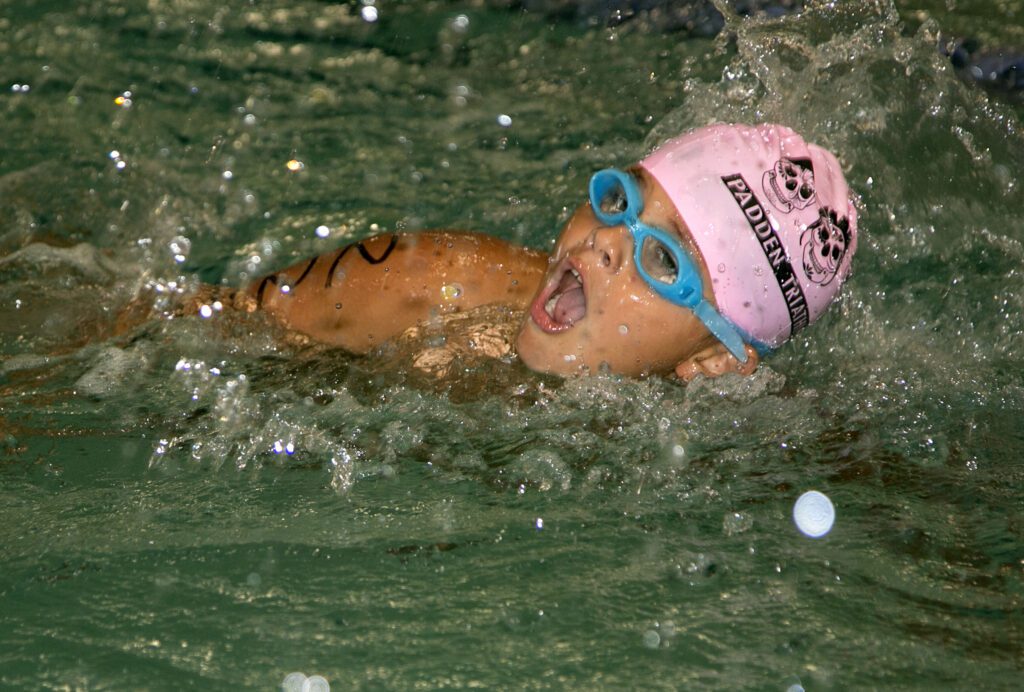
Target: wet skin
pixel 587 307
pixel 594 310
pixel 369 292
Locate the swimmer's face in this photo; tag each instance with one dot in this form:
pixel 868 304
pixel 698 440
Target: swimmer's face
pixel 595 311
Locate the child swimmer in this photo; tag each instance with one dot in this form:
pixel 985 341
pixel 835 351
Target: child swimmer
pixel 700 260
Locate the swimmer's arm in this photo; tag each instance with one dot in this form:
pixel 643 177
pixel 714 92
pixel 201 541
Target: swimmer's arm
pixel 369 292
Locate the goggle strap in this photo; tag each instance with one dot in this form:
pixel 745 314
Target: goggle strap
pixel 722 330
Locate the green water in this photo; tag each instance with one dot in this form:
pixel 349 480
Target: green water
pixel 508 530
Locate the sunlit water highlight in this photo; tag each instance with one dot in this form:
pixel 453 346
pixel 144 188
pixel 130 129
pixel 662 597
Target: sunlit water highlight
pixel 199 503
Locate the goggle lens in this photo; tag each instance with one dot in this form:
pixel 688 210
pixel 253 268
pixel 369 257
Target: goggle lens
pixel 659 261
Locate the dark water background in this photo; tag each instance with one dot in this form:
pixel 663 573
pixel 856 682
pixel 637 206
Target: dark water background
pixel 512 530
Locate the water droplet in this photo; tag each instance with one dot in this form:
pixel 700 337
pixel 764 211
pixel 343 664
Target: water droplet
pixel 322 231
pixel 652 640
pixel 451 291
pixel 505 120
pixel 721 268
pixel 539 523
pixel 293 682
pixel 369 14
pixel 316 683
pixel 179 247
pixel 623 329
pixel 205 311
pixel 295 165
pixel 227 175
pixel 735 522
pixel 337 306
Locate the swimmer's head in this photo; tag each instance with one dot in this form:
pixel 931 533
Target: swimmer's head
pixel 716 249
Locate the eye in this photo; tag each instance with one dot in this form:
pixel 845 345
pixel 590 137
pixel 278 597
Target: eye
pixel 823 235
pixel 835 253
pixel 614 201
pixel 806 191
pixel 658 261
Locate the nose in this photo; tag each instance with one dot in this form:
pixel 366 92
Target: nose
pixel 611 245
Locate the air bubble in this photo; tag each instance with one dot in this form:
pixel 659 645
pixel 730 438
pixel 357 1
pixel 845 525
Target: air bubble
pixel 322 231
pixel 369 14
pixel 652 640
pixel 505 120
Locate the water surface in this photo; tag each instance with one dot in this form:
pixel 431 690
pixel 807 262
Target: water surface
pixel 197 504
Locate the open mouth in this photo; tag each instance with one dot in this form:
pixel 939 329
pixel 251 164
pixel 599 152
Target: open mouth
pixel 562 303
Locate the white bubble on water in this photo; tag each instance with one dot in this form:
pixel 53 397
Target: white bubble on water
pixel 505 120
pixel 814 514
pixel 369 14
pixel 293 682
pixel 322 231
pixel 316 683
pixel 652 640
pixel 205 311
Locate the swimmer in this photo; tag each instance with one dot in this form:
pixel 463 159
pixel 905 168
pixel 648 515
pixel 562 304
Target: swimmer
pixel 700 260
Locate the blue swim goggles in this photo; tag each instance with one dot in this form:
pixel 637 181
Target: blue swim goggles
pixel 659 257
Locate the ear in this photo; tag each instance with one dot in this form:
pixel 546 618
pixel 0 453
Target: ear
pixel 716 360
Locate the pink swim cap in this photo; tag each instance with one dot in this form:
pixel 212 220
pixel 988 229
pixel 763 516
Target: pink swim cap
pixel 772 217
